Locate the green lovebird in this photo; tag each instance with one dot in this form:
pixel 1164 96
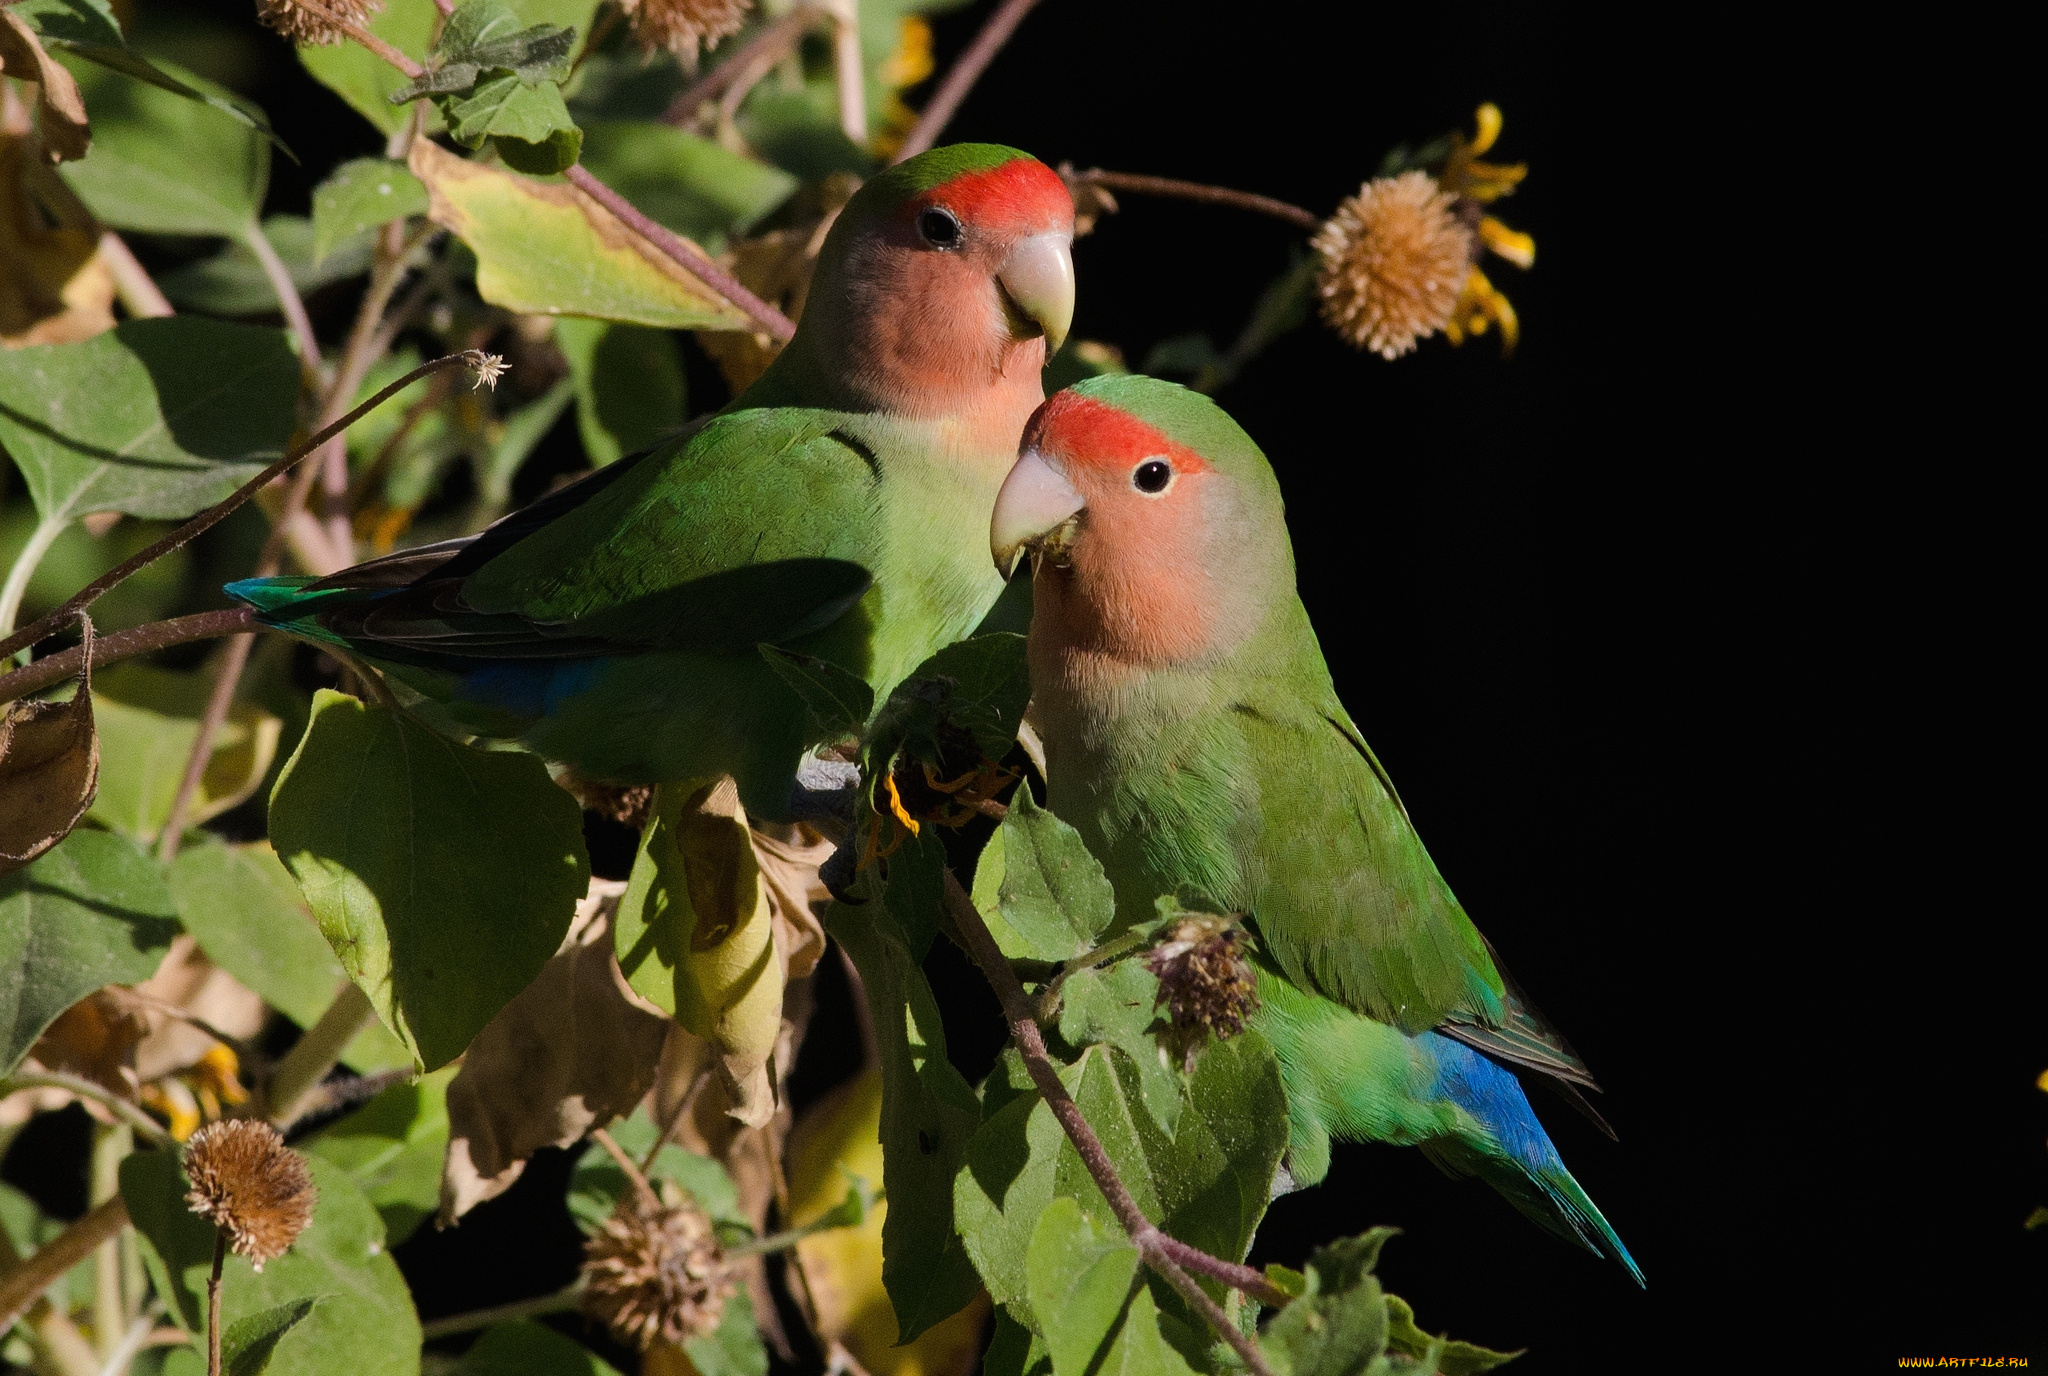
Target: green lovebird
pixel 1194 739
pixel 837 509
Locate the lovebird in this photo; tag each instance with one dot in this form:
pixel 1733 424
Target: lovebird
pixel 837 509
pixel 1193 737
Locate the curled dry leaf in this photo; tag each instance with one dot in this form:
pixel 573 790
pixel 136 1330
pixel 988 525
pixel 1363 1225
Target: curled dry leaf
pixel 66 134
pixel 49 770
pixel 572 1052
pixel 188 983
pixel 95 1039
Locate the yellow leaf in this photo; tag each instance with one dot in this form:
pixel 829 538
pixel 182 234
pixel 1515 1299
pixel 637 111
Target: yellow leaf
pixel 842 1135
pixel 545 248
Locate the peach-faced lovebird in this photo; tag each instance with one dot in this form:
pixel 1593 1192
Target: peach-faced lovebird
pixel 1194 739
pixel 836 509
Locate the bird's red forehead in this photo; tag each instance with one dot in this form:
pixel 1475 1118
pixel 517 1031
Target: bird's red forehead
pixel 1023 194
pixel 1087 433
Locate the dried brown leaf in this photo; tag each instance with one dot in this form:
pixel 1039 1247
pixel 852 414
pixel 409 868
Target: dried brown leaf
pixel 188 983
pixel 66 133
pixel 573 1051
pixel 95 1039
pixel 49 770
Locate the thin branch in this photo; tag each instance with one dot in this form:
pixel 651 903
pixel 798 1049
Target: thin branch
pixel 945 102
pixel 770 44
pixel 618 1153
pixel 145 1126
pixel 329 1095
pixel 413 70
pixel 1168 1256
pixel 1197 191
pixel 848 73
pixel 226 678
pixel 219 511
pixel 220 1255
pixel 288 299
pixel 132 283
pixel 772 321
pixel 556 1303
pixel 111 649
pixel 21 1285
pixel 314 1054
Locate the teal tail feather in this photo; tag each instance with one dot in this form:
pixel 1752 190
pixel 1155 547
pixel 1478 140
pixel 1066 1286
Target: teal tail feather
pixel 284 603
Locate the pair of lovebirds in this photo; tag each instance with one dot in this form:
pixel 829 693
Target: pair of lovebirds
pixel 846 506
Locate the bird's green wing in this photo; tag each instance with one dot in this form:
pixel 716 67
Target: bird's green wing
pixel 754 528
pixel 1349 901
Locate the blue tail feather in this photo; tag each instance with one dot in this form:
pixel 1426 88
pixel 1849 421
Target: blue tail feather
pixel 1522 1163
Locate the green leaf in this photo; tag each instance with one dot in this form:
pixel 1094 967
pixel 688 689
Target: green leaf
pixel 976 689
pixel 629 386
pixel 244 908
pixel 1015 1350
pixel 166 164
pixel 1079 1278
pixel 232 282
pixel 545 248
pixel 1115 1007
pixel 1207 1185
pixel 1338 1327
pixel 1054 895
pixel 87 913
pixel 88 29
pixel 364 1321
pixel 1097 1320
pixel 734 1348
pixel 443 876
pixel 247 1345
pixel 153 418
pixel 527 1348
pixel 392 1148
pixel 838 701
pixel 691 184
pixel 148 721
pixel 1452 1358
pixel 358 196
pixel 486 35
pixel 506 107
pixel 367 81
pixel 928 1117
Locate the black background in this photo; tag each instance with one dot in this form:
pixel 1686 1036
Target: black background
pixel 1673 630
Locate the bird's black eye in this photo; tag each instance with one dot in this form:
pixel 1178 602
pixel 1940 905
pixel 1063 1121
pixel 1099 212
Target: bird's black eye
pixel 939 228
pixel 1152 476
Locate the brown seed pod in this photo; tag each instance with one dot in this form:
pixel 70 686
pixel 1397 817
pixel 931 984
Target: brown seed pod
pixel 655 1273
pixel 1206 985
pixel 247 1181
pixel 314 23
pixel 1395 257
pixel 685 26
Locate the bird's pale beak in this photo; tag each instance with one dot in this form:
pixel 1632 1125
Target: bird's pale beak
pixel 1036 500
pixel 1038 277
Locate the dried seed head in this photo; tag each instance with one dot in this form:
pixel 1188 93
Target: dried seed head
pixel 655 1273
pixel 685 26
pixel 1395 257
pixel 626 804
pixel 1205 983
pixel 248 1182
pixel 314 21
pixel 488 368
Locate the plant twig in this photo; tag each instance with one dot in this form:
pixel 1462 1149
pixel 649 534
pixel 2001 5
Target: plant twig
pixel 26 1280
pixel 145 1126
pixel 945 102
pixel 847 72
pixel 110 649
pixel 692 258
pixel 556 1303
pixel 1197 191
pixel 413 70
pixel 288 300
pixel 220 1256
pixel 770 44
pixel 1168 1256
pixel 618 1153
pixel 132 283
pixel 220 510
pixel 315 1053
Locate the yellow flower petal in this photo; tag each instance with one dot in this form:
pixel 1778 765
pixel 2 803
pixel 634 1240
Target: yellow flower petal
pixel 1518 248
pixel 1487 117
